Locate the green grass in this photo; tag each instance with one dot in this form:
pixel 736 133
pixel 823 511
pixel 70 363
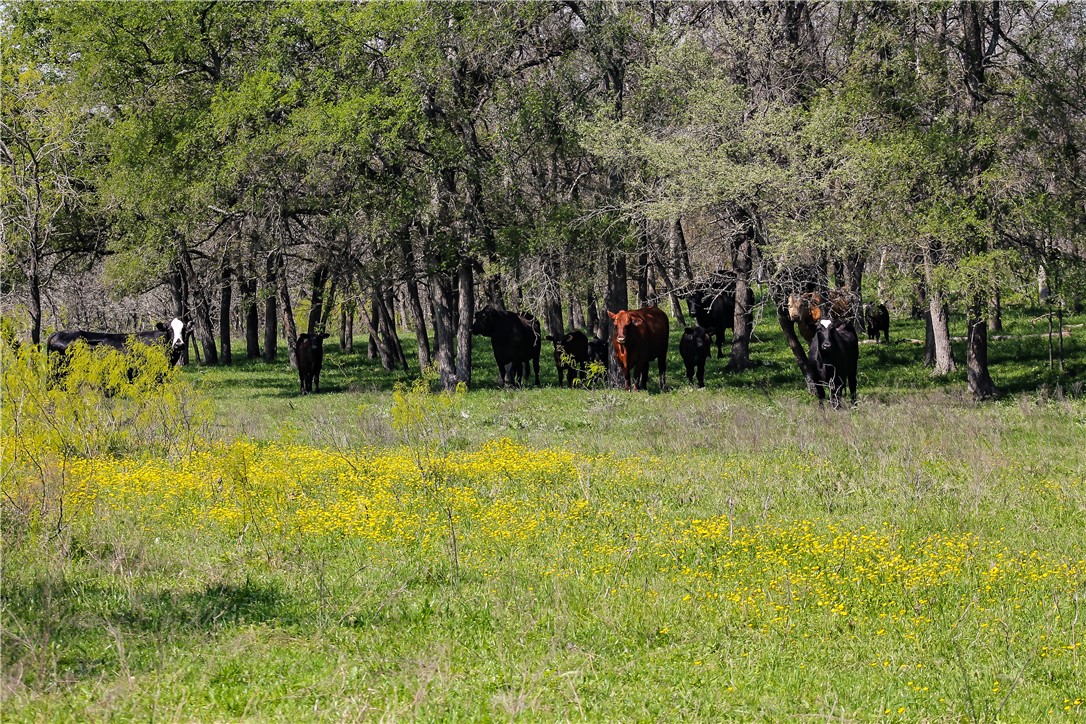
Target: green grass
pixel 156 611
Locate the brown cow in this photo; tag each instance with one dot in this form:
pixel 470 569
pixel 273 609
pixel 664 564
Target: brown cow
pixel 639 337
pixel 809 308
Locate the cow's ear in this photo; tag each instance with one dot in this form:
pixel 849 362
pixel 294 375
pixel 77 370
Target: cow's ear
pixel 611 314
pixel 324 335
pixel 161 327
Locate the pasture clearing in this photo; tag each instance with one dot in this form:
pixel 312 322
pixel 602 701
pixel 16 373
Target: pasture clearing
pixel 548 553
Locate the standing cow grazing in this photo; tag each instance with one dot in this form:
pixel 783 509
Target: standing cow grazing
pixel 516 341
pixel 834 357
pixel 639 337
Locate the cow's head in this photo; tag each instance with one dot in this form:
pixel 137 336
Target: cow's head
pixel 484 321
pixel 824 336
pixel 699 336
pixel 626 326
pixel 695 302
pixel 175 335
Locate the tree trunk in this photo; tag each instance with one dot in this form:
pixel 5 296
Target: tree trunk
pixel 940 325
pixel 204 328
pixel 552 299
pixel 414 302
pixel 618 298
pixel 373 345
pixel 317 283
pixel 800 354
pixel 329 305
pixel 995 312
pixel 592 312
pixel 378 345
pixel 388 333
pixel 247 287
pixel 290 330
pixel 854 274
pixel 676 303
pixel 643 279
pixel 466 315
pixel 271 313
pixel 34 280
pixel 976 356
pixel 180 306
pixel 226 289
pixel 743 319
pixel 346 325
pixel 444 331
pixel 680 254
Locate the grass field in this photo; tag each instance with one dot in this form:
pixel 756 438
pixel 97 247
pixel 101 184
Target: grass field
pixel 226 549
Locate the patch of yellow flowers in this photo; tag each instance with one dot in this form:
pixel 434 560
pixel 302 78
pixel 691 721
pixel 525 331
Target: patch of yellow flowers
pixel 571 516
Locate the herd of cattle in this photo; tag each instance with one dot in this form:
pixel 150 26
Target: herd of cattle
pixel 638 337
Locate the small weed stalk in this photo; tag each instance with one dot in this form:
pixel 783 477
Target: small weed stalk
pixel 424 421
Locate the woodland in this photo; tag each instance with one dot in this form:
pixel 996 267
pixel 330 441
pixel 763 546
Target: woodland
pixel 265 169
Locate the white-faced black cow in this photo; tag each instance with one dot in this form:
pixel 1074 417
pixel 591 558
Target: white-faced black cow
pixel 310 354
pixel 834 357
pixel 171 336
pixel 877 319
pixel 694 348
pixel 516 341
pixel 570 355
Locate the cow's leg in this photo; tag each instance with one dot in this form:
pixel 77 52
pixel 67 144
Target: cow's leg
pixel 701 373
pixel 852 388
pixel 689 371
pixel 662 367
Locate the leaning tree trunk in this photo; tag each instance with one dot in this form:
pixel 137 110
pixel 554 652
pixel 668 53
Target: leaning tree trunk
pixel 388 332
pixel 466 278
pixel 378 345
pixel 789 328
pixel 976 355
pixel 226 288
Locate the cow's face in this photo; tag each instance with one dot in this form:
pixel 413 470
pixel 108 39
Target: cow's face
pixel 699 337
pixel 484 321
pixel 695 303
pixel 625 326
pixel 824 335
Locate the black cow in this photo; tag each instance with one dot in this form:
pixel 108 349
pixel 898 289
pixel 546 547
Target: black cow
pixel 516 341
pixel 570 355
pixel 310 354
pixel 695 347
pixel 171 336
pixel 877 319
pixel 597 351
pixel 713 308
pixel 834 357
